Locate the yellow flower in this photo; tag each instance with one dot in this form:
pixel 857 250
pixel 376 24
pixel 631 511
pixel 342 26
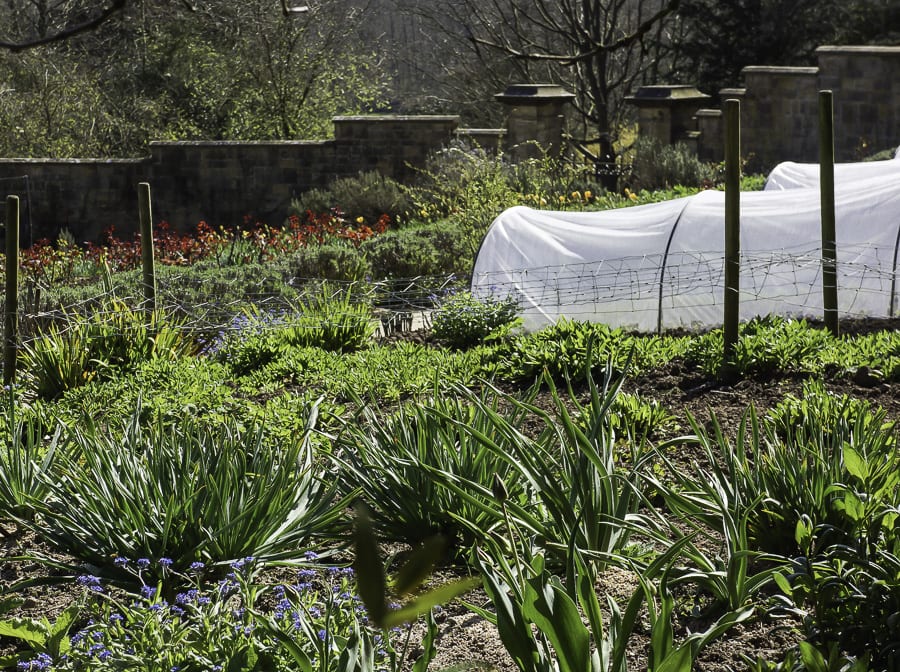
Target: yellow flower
pixel 360 219
pixel 562 199
pixel 587 195
pixel 576 196
pixel 630 194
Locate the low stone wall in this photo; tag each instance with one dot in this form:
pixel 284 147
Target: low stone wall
pixel 219 182
pixel 779 108
pixel 866 85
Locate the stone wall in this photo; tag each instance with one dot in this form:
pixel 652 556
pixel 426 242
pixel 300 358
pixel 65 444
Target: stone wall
pixel 219 182
pixel 224 182
pixel 866 86
pixel 779 108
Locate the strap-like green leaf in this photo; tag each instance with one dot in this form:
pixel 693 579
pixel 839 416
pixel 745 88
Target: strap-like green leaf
pixel 554 613
pixel 855 463
pixel 26 630
pixel 426 601
pixel 367 566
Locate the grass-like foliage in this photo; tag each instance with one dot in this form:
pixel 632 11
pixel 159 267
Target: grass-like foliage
pixel 552 621
pixel 833 412
pixel 775 479
pixel 25 454
pixel 331 318
pixel 400 461
pixel 115 337
pixel 191 491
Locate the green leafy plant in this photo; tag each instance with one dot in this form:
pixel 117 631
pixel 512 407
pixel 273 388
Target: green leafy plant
pixel 846 583
pixel 774 480
pixel 765 345
pixel 313 622
pixel 463 320
pixel 560 349
pixel 113 336
pixel 373 583
pixel 583 491
pixel 24 456
pixel 816 403
pixel 331 318
pixel 400 461
pixel 121 336
pixel 423 250
pixel 637 417
pixel 548 624
pixel 336 260
pixel 368 195
pixel 191 491
pixel 58 360
pixel 468 185
pixel 661 165
pixel 42 640
pixel 876 353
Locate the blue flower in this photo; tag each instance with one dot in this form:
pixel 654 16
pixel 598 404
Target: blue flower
pixel 120 562
pixel 90 582
pixel 165 562
pixel 187 598
pixel 41 662
pixel 143 563
pixel 197 566
pixel 148 592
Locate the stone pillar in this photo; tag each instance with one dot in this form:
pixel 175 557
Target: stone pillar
pixel 866 85
pixel 666 112
pixel 709 135
pixel 779 116
pixel 535 120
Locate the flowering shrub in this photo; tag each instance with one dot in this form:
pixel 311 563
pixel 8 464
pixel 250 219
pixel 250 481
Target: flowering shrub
pixel 187 622
pixel 47 263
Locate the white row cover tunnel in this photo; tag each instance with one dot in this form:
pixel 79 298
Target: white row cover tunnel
pixel 661 266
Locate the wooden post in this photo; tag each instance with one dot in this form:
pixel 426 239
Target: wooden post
pixel 11 308
pixel 147 263
pixel 732 227
pixel 826 189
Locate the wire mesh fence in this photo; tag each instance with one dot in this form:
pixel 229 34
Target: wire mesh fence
pixel 629 290
pixel 211 307
pixel 685 288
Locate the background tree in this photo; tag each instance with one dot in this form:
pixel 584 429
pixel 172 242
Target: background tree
pixel 161 70
pixel 600 49
pixel 720 38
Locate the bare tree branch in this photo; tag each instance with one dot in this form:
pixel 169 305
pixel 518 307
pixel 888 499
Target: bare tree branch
pixel 69 31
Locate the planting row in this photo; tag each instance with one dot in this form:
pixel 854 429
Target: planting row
pixel 229 463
